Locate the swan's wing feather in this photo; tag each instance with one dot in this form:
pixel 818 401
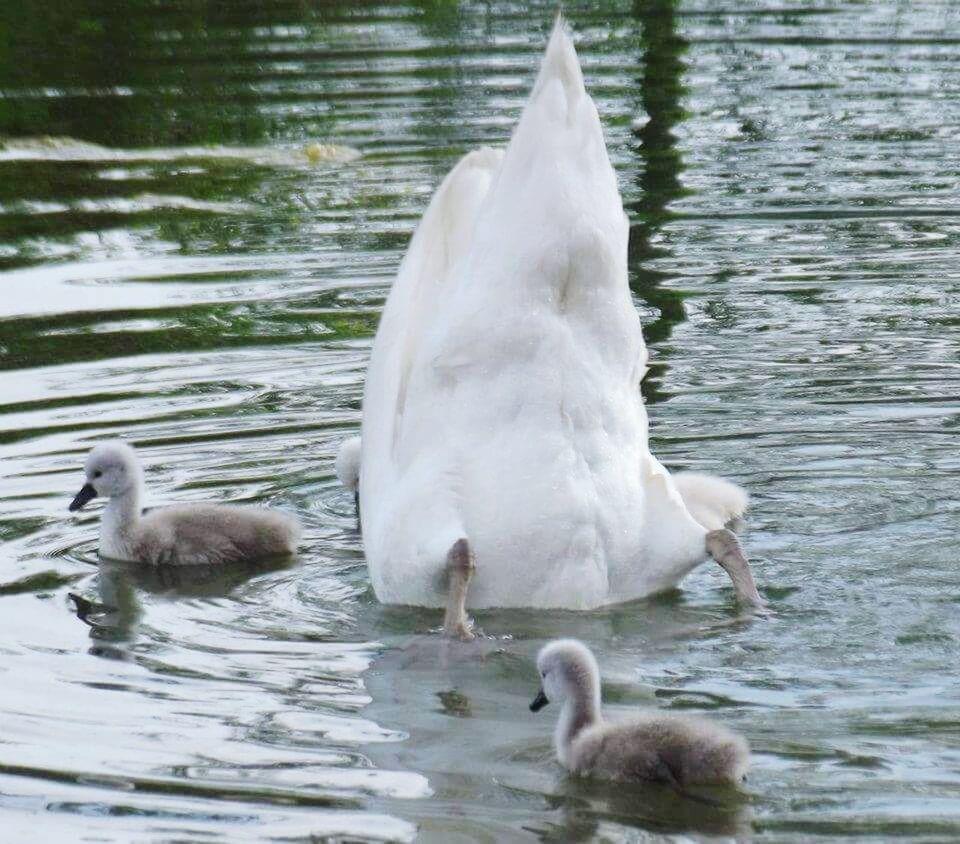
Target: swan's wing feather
pixel 393 490
pixel 440 240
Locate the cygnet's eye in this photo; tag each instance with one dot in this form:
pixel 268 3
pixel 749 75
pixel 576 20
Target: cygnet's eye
pixel 97 474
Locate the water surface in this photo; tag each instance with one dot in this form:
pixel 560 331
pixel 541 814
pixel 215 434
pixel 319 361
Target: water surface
pixel 201 210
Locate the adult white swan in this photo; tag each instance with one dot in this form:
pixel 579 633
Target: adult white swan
pixel 504 436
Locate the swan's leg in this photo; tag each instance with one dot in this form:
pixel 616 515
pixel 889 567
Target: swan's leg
pixel 460 568
pixel 725 548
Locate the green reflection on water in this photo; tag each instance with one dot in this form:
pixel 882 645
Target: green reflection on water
pixel 661 90
pixel 166 90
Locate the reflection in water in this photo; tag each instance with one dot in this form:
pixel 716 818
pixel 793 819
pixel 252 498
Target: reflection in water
pixel 153 97
pixel 186 581
pixel 113 619
pixel 661 89
pixel 588 804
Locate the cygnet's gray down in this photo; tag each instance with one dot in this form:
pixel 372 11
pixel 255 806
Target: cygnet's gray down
pixel 347 467
pixel 186 535
pixel 649 747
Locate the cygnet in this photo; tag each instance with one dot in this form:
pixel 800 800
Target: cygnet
pixel 649 747
pixel 186 535
pixel 347 466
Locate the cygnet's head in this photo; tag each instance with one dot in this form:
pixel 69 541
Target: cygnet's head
pixel 567 670
pixel 347 464
pixel 112 469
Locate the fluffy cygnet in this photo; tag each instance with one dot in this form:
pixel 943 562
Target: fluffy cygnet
pixel 187 535
pixel 347 466
pixel 649 747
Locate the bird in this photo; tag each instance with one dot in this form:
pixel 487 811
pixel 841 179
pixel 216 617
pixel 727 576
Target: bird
pixel 347 466
pixel 675 750
pixel 505 458
pixel 194 534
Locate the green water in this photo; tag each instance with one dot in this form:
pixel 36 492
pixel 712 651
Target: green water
pixel 177 269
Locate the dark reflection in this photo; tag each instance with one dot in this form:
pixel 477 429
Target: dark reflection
pixel 455 703
pixel 183 72
pixel 43 581
pixel 654 808
pixel 76 73
pixel 113 619
pixel 435 652
pixel 204 327
pixel 661 90
pixel 157 74
pixel 189 581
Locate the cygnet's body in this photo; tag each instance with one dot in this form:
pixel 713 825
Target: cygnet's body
pixel 649 747
pixel 347 466
pixel 187 535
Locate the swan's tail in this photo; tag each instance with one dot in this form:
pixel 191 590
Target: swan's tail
pixel 560 62
pixel 559 136
pixel 712 501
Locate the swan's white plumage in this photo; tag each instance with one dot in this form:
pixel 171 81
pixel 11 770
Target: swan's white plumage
pixel 502 402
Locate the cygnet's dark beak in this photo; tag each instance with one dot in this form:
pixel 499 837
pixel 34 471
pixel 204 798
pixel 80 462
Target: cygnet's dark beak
pixel 539 702
pixel 87 493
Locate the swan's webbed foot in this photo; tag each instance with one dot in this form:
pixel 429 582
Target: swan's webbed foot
pixel 460 568
pixel 725 548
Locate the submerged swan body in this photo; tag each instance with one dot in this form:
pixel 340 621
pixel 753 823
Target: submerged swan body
pixel 502 403
pixel 650 747
pixel 194 534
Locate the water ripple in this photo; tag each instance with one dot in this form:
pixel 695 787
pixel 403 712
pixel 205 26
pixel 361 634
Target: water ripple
pixel 201 213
